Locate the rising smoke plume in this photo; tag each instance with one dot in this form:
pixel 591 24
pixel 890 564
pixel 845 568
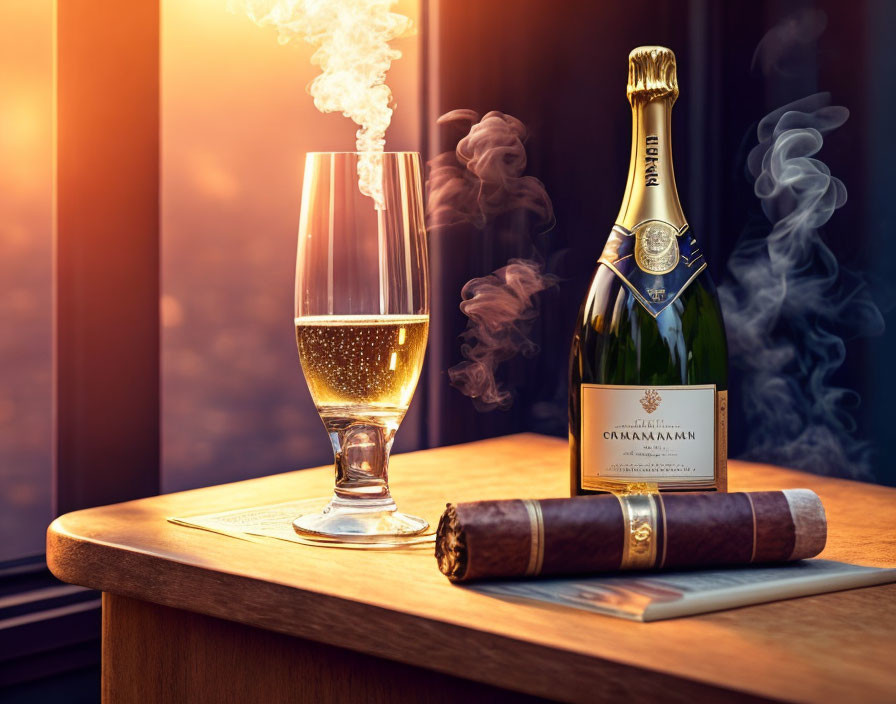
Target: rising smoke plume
pixel 479 183
pixel 352 41
pixel 483 178
pixel 788 305
pixel 781 49
pixel 501 310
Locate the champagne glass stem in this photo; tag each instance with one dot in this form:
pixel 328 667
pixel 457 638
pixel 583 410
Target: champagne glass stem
pixel 362 465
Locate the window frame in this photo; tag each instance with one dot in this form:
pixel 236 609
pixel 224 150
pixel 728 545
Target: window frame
pixel 106 337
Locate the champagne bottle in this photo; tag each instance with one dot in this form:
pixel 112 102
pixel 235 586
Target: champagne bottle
pixel 648 369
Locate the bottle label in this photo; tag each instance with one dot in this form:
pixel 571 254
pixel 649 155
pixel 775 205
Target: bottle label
pixel 655 260
pixel 671 435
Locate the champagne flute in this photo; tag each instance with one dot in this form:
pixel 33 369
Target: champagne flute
pixel 362 320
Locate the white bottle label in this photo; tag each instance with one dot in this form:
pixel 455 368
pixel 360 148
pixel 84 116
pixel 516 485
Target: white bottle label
pixel 648 433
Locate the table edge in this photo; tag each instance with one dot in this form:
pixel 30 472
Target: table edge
pixel 460 654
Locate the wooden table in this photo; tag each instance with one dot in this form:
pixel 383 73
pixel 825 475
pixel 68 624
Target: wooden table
pixel 192 616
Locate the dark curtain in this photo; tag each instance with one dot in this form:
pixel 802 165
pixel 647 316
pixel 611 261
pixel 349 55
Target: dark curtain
pixel 560 67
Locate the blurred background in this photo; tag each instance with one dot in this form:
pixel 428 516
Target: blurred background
pixel 235 122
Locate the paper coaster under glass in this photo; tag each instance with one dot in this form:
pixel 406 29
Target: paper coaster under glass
pixel 275 521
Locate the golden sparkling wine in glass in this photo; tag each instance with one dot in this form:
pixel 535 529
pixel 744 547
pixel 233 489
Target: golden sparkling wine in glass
pixel 364 366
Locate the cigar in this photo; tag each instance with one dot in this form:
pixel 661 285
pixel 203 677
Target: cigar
pixel 587 534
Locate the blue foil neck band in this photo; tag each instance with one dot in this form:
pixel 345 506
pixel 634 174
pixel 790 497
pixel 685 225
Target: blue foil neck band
pixel 654 291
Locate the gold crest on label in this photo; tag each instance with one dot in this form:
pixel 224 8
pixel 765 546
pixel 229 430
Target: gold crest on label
pixel 651 400
pixel 656 247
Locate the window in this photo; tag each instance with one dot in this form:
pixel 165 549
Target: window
pixel 26 219
pixel 236 122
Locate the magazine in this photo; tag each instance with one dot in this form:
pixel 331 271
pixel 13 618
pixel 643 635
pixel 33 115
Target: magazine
pixel 660 595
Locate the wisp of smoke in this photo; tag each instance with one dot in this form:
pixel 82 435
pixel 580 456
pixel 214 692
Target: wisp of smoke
pixel 788 304
pixel 478 182
pixel 352 40
pixel 483 177
pixel 500 308
pixel 778 50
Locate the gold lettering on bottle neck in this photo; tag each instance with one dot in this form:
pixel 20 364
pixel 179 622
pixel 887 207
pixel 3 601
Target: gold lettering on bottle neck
pixel 650 191
pixel 651 161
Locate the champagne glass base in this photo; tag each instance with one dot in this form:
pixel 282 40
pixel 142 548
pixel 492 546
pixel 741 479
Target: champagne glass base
pixel 367 527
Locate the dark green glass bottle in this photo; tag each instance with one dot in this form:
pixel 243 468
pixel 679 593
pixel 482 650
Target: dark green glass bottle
pixel 648 369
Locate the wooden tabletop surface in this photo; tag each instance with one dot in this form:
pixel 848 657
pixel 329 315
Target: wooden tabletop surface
pixel 396 604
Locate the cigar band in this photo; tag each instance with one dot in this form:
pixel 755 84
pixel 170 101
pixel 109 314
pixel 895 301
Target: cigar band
pixel 536 531
pixel 639 514
pixel 753 514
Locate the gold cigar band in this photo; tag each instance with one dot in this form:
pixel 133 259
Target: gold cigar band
pixel 536 530
pixel 639 513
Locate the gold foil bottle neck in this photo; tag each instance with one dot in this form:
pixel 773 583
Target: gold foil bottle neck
pixel 651 74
